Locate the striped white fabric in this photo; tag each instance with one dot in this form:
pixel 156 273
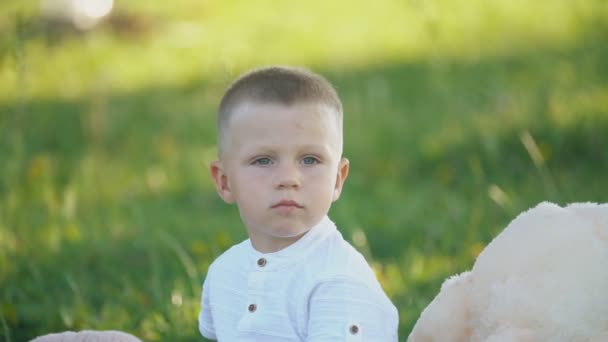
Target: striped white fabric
pixel 318 289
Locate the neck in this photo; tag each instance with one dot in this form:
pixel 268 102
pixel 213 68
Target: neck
pixel 275 244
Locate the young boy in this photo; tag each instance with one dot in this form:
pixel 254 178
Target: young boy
pixel 295 278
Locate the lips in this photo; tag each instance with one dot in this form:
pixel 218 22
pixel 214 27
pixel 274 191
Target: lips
pixel 287 203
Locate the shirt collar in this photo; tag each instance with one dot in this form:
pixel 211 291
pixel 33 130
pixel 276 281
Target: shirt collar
pixel 294 252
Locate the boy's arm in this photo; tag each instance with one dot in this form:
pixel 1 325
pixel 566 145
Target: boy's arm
pixel 348 310
pixel 205 320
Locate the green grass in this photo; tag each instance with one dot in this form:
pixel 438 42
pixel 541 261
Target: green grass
pixel 108 217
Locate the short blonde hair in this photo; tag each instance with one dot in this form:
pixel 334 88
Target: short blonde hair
pixel 276 84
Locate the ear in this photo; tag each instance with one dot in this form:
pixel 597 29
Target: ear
pixel 342 174
pixel 448 317
pixel 221 181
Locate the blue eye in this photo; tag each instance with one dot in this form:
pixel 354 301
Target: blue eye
pixel 310 161
pixel 262 161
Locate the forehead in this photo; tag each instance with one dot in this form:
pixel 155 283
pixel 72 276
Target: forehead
pixel 301 114
pixel 299 108
pixel 278 124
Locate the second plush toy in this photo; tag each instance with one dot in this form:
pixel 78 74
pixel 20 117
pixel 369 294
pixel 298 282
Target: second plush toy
pixel 544 278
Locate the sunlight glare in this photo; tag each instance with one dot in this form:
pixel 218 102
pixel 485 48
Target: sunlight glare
pixel 95 9
pixel 87 13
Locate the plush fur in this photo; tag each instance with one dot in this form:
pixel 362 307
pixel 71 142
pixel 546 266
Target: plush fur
pixel 88 336
pixel 544 278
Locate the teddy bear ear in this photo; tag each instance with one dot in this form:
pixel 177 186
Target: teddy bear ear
pixel 597 214
pixel 449 310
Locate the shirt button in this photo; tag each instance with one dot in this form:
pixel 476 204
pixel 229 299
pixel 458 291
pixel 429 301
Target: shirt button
pixel 354 329
pixel 252 307
pixel 261 262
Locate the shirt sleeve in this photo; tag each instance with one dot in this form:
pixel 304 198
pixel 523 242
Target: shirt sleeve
pixel 205 320
pixel 348 310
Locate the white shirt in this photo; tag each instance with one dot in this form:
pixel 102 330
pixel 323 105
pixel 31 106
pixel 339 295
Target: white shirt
pixel 317 289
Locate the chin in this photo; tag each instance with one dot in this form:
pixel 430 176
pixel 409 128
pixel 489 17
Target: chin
pixel 289 231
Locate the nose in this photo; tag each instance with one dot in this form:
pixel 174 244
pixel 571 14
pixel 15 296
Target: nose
pixel 288 177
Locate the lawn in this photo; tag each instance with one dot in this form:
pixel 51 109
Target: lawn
pixel 458 116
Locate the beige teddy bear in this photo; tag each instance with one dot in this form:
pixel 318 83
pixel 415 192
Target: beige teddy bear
pixel 88 336
pixel 544 278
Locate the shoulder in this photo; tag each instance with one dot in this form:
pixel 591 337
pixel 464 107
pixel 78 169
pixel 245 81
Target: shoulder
pixel 336 266
pixel 230 260
pixel 350 290
pixel 336 258
pixel 343 273
pixel 341 306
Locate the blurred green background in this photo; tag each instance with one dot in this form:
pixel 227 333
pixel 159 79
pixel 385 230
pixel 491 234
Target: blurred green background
pixel 458 116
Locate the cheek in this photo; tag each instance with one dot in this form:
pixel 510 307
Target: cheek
pixel 323 179
pixel 324 174
pixel 246 182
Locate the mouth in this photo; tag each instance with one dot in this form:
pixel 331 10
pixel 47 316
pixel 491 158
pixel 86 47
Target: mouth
pixel 287 204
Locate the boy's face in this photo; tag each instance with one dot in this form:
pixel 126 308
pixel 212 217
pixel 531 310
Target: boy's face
pixel 282 166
